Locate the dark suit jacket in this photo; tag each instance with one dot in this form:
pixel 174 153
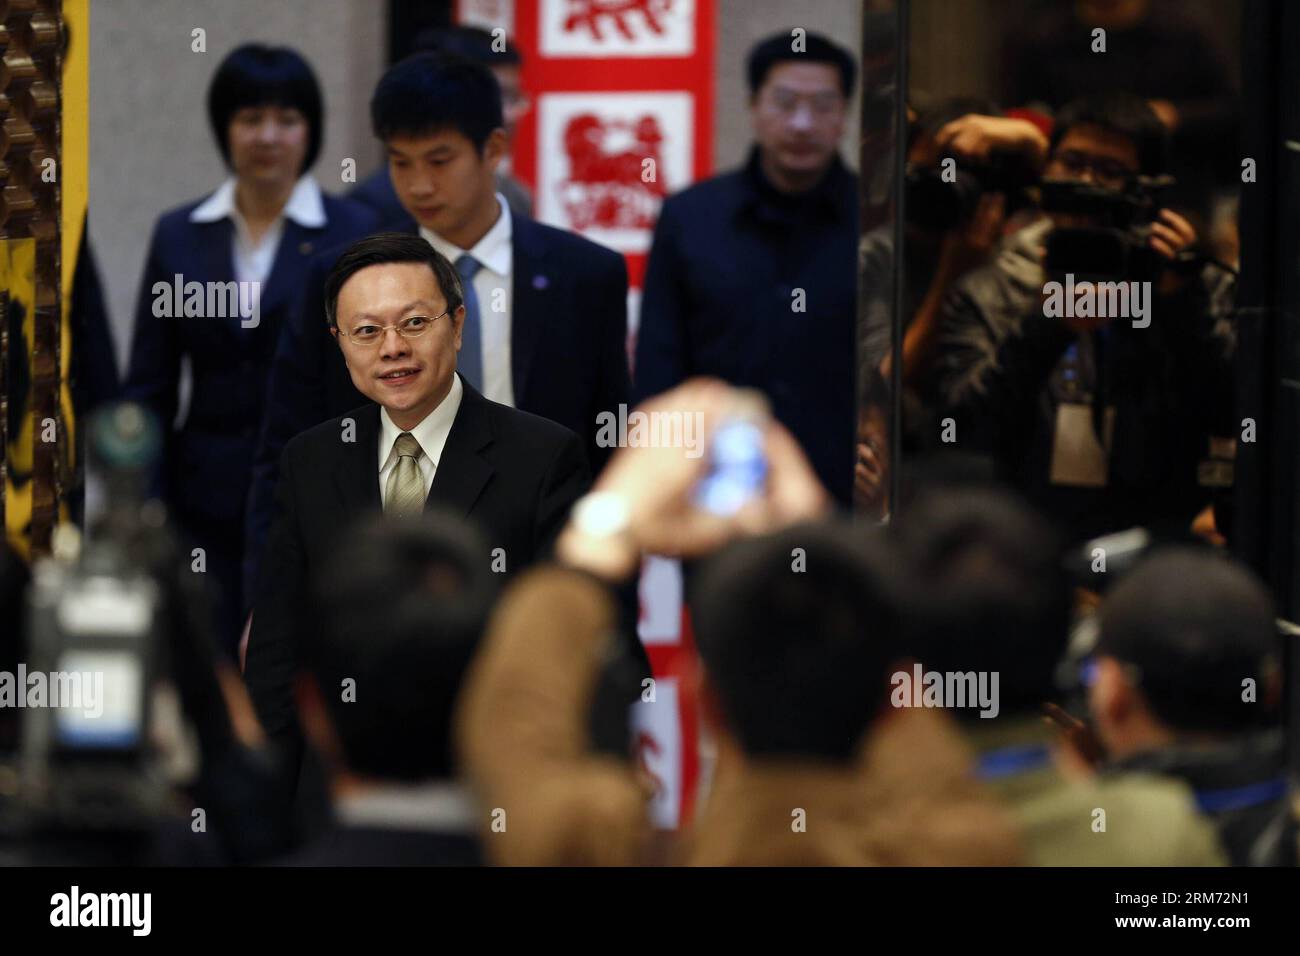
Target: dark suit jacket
pixel 512 474
pixel 568 354
pixel 208 462
pixel 729 258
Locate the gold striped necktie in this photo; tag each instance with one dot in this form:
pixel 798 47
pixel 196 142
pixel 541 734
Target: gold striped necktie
pixel 405 484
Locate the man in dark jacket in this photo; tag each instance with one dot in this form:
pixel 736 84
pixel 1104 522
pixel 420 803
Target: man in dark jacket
pixel 1099 410
pixel 752 276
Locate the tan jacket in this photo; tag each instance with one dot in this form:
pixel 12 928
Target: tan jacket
pixel 908 800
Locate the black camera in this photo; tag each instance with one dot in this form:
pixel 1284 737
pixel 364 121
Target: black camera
pixel 936 199
pixel 95 614
pixel 1115 244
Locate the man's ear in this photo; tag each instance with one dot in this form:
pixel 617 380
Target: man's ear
pixel 338 340
pixel 1114 698
pixel 494 148
pixel 458 323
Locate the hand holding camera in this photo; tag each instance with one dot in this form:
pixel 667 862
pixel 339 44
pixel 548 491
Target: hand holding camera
pixel 749 477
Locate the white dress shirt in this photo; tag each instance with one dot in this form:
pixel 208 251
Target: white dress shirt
pixel 253 260
pixel 492 284
pixel 431 433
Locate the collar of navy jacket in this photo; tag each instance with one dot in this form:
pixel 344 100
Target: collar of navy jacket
pixel 530 303
pixel 459 479
pixel 297 244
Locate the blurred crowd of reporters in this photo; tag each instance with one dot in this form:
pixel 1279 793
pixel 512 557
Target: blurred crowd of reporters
pixel 480 730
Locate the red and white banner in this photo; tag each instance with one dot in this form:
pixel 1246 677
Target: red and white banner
pixel 622 117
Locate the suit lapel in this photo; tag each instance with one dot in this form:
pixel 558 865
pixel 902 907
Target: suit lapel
pixel 297 244
pixel 531 302
pixel 462 472
pixel 357 474
pixel 215 242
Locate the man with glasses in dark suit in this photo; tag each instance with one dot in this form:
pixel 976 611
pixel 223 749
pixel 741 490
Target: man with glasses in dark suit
pixel 427 439
pixel 545 311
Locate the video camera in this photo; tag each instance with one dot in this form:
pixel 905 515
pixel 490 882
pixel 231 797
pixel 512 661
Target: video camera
pixel 1115 246
pixel 936 203
pixel 95 618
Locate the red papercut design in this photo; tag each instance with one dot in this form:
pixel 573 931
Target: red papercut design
pixel 590 14
pixel 608 190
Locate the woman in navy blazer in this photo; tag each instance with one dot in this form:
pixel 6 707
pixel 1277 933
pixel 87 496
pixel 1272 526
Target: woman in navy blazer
pixel 221 274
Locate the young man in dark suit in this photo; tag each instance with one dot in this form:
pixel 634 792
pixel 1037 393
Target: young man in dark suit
pixel 546 311
pixel 428 439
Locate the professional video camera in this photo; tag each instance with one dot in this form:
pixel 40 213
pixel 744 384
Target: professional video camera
pixel 133 714
pixel 1115 243
pixel 937 204
pixel 95 615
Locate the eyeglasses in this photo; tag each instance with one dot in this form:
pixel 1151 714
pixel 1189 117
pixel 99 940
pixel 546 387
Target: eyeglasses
pixel 1108 172
pixel 786 102
pixel 409 328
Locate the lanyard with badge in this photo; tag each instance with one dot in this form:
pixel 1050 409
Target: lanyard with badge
pixel 1081 437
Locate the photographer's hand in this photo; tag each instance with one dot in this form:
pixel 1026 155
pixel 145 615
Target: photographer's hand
pixel 656 484
pixel 1170 235
pixel 977 138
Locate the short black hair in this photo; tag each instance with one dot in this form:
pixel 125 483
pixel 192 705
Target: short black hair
pixel 384 247
pixel 797 643
pixel 430 92
pixel 258 75
pixel 475 43
pixel 1194 624
pixel 1124 114
pixel 779 48
pixel 400 608
pixel 986 590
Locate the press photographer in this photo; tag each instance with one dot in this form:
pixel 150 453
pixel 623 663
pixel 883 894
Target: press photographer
pixel 1086 360
pixel 970 172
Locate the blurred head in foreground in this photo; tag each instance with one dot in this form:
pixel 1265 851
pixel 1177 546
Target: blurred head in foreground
pixel 796 633
pixel 397 616
pixel 986 592
pixel 1187 648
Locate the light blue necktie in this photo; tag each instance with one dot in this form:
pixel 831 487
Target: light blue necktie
pixel 470 362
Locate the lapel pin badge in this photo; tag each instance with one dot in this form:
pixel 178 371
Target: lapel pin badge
pixel 540 282
pixel 305 248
